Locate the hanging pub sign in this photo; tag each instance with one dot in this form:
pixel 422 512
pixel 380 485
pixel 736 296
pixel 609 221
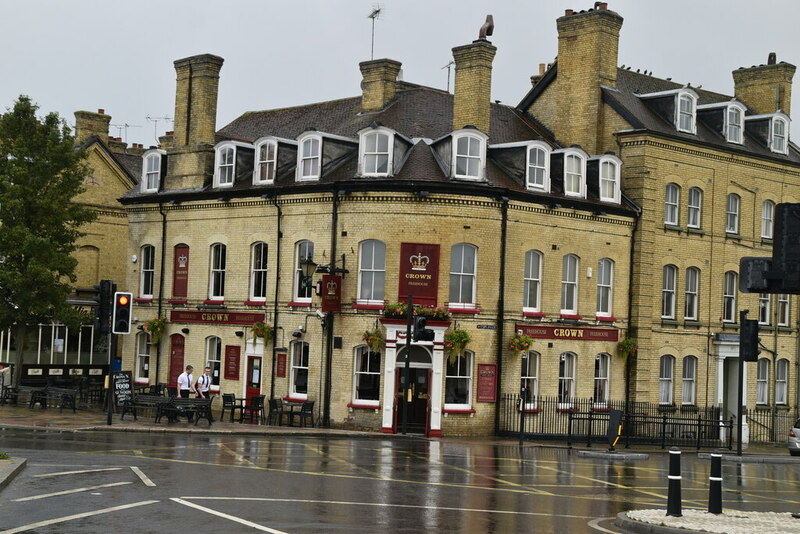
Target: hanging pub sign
pixel 578 333
pixel 331 293
pixel 180 271
pixel 419 273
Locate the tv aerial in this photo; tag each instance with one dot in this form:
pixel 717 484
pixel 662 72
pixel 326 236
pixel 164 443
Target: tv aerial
pixel 376 12
pixel 155 120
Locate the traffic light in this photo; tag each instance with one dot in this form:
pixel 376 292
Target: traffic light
pixel 420 332
pixel 749 340
pixel 102 311
pixel 121 318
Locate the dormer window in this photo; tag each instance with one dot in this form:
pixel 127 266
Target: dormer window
pixel 537 177
pixel 734 124
pixel 309 158
pixel 609 179
pixel 266 158
pixel 232 160
pixel 151 171
pixel 685 112
pixel 469 154
pixel 375 148
pixel 574 175
pixel 225 166
pixel 779 135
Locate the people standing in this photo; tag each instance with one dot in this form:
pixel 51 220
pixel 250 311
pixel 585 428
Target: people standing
pixel 204 384
pixel 186 383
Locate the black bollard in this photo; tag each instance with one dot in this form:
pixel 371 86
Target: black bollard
pixel 715 484
pixel 674 490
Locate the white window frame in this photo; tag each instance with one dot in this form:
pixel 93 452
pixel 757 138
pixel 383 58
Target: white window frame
pixel 570 267
pixel 214 361
pixel 259 269
pixel 363 366
pixel 567 365
pixel 762 381
pixel 529 377
pixel 609 169
pixel 729 297
pixel 689 114
pixel 733 203
pixel 605 287
pixel 363 153
pixel 783 310
pixel 694 210
pixel 668 286
pixel 473 136
pixel 371 272
pixel 691 301
pixel 151 173
pixel 602 376
pixel 464 279
pixel 666 376
pixel 781 381
pixel 463 372
pixel 532 167
pixel 767 219
pixel 297 367
pixel 689 383
pixel 270 164
pixel 142 358
pixel 734 123
pixel 226 179
pixel 307 142
pixel 779 134
pixel 147 272
pixel 301 253
pixel 579 156
pixel 532 281
pixel 764 308
pixel 672 198
pixel 217 265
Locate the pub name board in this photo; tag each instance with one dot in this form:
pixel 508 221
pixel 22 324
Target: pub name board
pixel 215 316
pixel 579 333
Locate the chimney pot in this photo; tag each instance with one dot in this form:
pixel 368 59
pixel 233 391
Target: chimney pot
pixel 568 12
pixel 602 5
pixel 772 58
pixel 101 111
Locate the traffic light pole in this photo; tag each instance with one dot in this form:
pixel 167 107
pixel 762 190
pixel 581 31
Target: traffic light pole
pixel 407 367
pixel 740 397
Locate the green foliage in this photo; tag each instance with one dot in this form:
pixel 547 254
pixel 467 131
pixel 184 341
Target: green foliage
pixel 40 175
pixel 520 343
pixel 627 347
pixel 262 330
pixel 398 311
pixel 374 339
pixel 455 341
pixel 4 456
pixel 155 327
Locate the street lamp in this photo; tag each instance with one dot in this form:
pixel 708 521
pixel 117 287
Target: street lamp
pixel 308 268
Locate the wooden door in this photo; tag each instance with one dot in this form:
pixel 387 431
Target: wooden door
pixel 175 359
pixel 253 378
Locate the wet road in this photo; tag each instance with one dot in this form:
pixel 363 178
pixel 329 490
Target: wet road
pixel 139 483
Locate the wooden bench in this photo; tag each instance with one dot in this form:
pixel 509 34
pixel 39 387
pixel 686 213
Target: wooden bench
pixel 54 396
pixel 192 408
pixel 144 402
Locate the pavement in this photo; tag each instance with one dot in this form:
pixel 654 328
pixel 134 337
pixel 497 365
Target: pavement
pixel 638 521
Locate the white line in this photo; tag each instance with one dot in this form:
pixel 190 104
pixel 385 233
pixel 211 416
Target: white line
pixel 388 505
pixel 76 516
pixel 147 481
pixel 226 516
pixel 67 492
pixel 594 523
pixel 79 472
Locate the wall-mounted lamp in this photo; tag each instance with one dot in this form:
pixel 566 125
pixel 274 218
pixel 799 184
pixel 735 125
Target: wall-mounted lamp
pixel 308 267
pixel 185 330
pixel 239 333
pixel 134 258
pixel 140 327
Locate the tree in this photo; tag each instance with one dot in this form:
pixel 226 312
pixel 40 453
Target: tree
pixel 41 173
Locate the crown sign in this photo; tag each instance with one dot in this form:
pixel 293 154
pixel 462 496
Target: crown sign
pixel 182 261
pixel 331 287
pixel 419 262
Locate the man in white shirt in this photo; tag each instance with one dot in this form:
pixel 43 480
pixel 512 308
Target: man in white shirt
pixel 186 383
pixel 203 384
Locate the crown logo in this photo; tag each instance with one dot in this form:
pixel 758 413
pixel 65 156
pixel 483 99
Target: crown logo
pixel 419 262
pixel 182 261
pixel 331 286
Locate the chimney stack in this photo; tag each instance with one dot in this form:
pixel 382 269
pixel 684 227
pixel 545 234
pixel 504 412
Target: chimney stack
pixel 88 123
pixel 191 164
pixel 379 83
pixel 765 88
pixel 473 85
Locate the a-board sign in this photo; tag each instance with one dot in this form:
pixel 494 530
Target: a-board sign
pixel 122 382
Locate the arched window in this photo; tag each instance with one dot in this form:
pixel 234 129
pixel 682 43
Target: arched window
pixel 148 270
pixel 691 296
pixel 371 271
pixel 376 147
pixel 781 381
pixel 609 179
pixel 309 158
pixel 298 377
pixel 732 214
pixel 574 175
pixel 258 272
pixel 569 284
pixel 151 170
pixel 367 376
pixel 216 289
pixel 734 120
pixel 538 176
pixel 685 111
pixel 605 286
pixel 694 215
pixel 529 378
pixel 665 379
pixel 729 297
pixel 304 253
pixel 672 196
pixel 213 360
pixel 142 358
pixel 670 275
pixel 458 382
pixel 762 381
pixel 689 380
pixel 225 165
pixel 463 268
pixel 602 371
pixel 767 216
pixel 779 138
pixel 469 155
pixel 532 281
pixel 266 158
pixel 566 379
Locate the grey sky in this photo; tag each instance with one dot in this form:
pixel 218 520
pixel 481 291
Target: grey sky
pixel 118 55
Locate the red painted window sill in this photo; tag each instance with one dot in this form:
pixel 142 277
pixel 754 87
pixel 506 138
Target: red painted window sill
pixel 211 302
pixel 532 410
pixel 357 306
pixel 255 303
pixel 143 300
pixel 292 399
pixel 534 314
pixel 299 304
pixel 601 409
pixel 571 316
pixel 177 301
pixel 470 311
pixel 446 410
pixel 605 319
pixel 375 406
pixel 566 410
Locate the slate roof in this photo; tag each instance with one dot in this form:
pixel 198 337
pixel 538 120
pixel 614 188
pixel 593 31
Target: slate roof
pixel 129 163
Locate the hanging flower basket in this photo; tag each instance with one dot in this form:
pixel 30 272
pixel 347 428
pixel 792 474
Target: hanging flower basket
pixel 628 347
pixel 262 330
pixel 520 343
pixel 455 341
pixel 398 310
pixel 374 339
pixel 155 327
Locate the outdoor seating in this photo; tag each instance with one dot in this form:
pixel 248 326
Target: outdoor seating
pixel 253 409
pixel 230 403
pixel 277 411
pixel 306 413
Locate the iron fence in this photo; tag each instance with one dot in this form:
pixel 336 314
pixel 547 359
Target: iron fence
pixel 770 424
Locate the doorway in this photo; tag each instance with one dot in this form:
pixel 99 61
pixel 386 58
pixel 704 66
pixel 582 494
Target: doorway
pixel 419 377
pixel 253 378
pixel 175 359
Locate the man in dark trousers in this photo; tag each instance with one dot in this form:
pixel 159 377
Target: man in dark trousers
pixel 186 383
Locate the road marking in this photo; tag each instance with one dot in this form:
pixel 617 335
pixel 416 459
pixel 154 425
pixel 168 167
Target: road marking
pixel 595 524
pixel 147 481
pixel 68 492
pixel 79 472
pixel 388 505
pixel 226 516
pixel 76 516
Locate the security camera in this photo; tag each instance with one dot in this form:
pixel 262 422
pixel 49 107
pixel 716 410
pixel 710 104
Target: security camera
pixel 519 332
pixel 320 314
pixel 298 334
